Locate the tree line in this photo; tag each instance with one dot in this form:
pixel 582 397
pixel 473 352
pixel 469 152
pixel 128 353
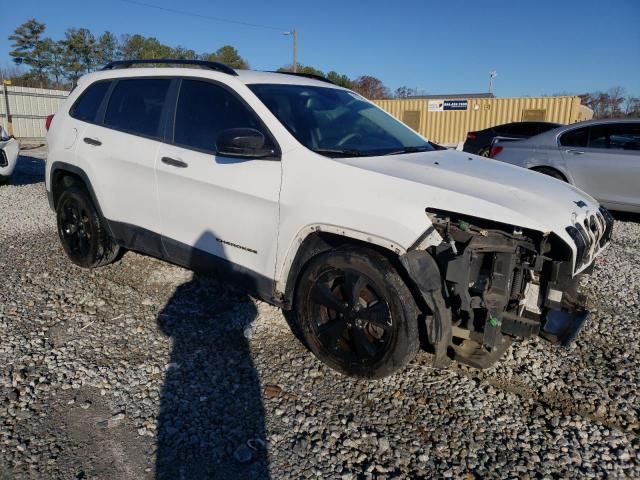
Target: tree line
pixel 614 103
pixel 59 63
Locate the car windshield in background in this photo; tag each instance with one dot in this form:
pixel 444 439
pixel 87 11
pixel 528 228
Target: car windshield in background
pixel 338 123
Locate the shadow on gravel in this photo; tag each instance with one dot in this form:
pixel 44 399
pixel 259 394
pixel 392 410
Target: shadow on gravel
pixel 29 170
pixel 211 421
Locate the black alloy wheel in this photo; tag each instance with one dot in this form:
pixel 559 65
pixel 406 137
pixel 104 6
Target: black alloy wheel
pixel 82 233
pixel 351 320
pixel 75 229
pixel 356 313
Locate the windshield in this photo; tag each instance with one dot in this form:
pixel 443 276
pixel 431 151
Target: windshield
pixel 338 123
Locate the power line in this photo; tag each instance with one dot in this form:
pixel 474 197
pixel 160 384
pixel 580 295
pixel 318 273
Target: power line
pixel 206 17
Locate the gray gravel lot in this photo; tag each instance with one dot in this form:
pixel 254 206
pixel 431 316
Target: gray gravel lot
pixel 142 369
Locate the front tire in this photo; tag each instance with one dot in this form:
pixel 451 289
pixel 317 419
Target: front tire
pixel 356 313
pixel 82 233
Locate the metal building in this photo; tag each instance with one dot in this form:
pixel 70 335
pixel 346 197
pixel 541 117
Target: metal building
pixel 447 120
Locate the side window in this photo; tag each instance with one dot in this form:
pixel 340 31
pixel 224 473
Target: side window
pixel 621 136
pixel 204 110
pixel 503 129
pixel 86 107
pixel 136 105
pixel 524 128
pixel 575 138
pixel 544 127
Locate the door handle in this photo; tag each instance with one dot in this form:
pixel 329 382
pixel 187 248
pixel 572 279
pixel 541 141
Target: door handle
pixel 575 152
pixel 92 141
pixel 174 162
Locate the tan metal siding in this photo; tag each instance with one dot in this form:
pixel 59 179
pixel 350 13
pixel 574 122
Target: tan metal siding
pixel 29 108
pixel 451 126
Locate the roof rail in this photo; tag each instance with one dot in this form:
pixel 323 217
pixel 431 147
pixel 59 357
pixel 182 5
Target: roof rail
pixel 217 66
pixel 306 75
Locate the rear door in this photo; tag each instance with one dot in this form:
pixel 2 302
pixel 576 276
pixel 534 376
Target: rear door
pixel 119 151
pixel 226 207
pixel 604 160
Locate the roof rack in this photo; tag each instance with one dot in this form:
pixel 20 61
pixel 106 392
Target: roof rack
pixel 217 66
pixel 306 75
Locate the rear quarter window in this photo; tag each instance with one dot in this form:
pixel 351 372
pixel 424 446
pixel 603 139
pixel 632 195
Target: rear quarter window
pixel 575 138
pixel 87 105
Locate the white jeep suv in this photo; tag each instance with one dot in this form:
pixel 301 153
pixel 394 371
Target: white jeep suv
pixel 377 239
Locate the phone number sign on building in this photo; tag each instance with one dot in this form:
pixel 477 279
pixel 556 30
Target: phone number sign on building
pixel 443 105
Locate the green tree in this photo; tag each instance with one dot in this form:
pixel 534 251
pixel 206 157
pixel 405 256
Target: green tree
pixel 28 48
pixel 138 47
pixel 227 55
pixel 79 52
pixel 52 57
pixel 308 69
pixel 183 53
pixel 341 80
pixel 107 48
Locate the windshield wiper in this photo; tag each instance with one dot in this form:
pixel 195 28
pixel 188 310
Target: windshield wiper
pixel 339 153
pixel 422 148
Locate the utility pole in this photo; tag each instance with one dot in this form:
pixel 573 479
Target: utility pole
pixel 294 34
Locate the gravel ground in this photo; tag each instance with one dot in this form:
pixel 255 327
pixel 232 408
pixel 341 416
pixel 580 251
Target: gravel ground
pixel 144 370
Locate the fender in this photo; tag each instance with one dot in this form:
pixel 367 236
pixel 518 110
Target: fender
pixel 561 169
pixel 73 169
pixel 293 262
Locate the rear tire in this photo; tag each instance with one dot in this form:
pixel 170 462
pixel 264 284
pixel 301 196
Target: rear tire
pixel 356 314
pixel 552 172
pixel 82 233
pixel 485 152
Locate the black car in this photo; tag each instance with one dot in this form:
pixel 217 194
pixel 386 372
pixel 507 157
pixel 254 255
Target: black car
pixel 479 142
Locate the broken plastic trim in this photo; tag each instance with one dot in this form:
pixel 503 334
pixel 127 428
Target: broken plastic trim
pixel 426 276
pixel 563 326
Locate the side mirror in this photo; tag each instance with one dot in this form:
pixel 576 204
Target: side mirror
pixel 242 143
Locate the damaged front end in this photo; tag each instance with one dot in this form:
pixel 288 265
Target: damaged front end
pixel 496 282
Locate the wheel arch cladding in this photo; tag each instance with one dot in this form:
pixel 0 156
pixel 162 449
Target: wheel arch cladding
pixel 63 175
pixel 426 277
pixel 542 168
pixel 319 242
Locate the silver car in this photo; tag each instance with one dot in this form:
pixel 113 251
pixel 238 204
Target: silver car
pixel 601 157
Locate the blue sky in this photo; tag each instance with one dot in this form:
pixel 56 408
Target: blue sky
pixel 537 47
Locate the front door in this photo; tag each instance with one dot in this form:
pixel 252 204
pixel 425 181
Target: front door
pixel 226 207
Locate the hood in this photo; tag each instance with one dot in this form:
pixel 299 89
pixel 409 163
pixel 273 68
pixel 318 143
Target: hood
pixel 472 185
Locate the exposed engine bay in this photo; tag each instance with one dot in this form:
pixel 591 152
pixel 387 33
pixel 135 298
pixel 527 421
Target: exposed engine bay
pixel 498 282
